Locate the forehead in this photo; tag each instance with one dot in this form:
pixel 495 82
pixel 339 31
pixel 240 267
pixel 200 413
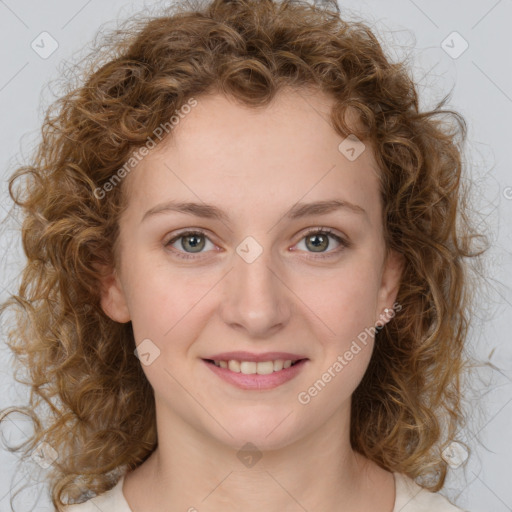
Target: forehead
pixel 226 153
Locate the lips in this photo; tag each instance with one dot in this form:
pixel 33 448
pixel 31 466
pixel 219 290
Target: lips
pixel 256 371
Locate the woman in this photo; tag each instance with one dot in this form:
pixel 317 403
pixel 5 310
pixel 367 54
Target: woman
pixel 246 279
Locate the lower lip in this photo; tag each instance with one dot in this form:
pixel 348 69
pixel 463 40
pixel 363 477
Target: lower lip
pixel 256 381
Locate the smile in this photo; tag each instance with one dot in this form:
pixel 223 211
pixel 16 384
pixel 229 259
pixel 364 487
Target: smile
pixel 252 375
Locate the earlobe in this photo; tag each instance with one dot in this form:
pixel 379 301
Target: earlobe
pixel 113 301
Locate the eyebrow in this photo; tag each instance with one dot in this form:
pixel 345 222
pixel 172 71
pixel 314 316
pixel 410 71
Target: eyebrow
pixel 297 211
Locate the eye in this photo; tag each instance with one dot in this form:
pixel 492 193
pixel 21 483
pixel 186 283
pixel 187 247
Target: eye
pixel 193 241
pixel 317 241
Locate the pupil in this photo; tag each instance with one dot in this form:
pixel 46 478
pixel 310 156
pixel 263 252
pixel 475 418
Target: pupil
pixel 317 244
pixel 192 240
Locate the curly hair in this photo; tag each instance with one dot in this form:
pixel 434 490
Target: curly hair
pixel 99 410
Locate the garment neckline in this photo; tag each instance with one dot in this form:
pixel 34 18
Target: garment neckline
pixel 397 478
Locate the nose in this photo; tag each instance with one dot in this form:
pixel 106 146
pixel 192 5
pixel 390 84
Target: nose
pixel 256 300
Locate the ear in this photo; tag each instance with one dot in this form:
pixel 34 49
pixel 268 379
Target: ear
pixel 113 298
pixel 390 283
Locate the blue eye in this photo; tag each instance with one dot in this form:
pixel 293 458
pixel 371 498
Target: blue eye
pixel 193 242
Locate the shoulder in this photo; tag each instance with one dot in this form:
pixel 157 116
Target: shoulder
pixel 112 500
pixel 411 497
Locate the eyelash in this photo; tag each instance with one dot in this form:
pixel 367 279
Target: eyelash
pixel 344 243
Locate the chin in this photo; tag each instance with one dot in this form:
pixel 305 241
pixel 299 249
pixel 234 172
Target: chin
pixel 266 431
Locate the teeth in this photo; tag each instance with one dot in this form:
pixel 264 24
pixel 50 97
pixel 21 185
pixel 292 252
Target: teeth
pixel 248 367
pixel 278 365
pixel 265 368
pixel 251 367
pixel 234 366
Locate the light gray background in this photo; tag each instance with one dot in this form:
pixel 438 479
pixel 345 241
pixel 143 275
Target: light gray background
pixel 481 78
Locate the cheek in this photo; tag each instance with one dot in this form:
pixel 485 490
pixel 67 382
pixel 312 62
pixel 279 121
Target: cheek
pixel 332 388
pixel 166 306
pixel 346 304
pixel 343 302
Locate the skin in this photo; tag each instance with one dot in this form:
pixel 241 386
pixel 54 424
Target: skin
pixel 255 165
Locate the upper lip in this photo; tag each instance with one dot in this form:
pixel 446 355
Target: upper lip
pixel 248 356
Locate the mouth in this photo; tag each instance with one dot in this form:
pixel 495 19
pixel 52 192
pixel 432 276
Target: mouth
pixel 256 375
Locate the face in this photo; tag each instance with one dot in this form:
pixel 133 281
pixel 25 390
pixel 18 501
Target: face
pixel 242 276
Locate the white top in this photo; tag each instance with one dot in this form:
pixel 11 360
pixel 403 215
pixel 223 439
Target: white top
pixel 410 497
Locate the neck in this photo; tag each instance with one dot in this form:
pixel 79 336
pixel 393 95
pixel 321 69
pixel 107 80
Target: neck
pixel 194 473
